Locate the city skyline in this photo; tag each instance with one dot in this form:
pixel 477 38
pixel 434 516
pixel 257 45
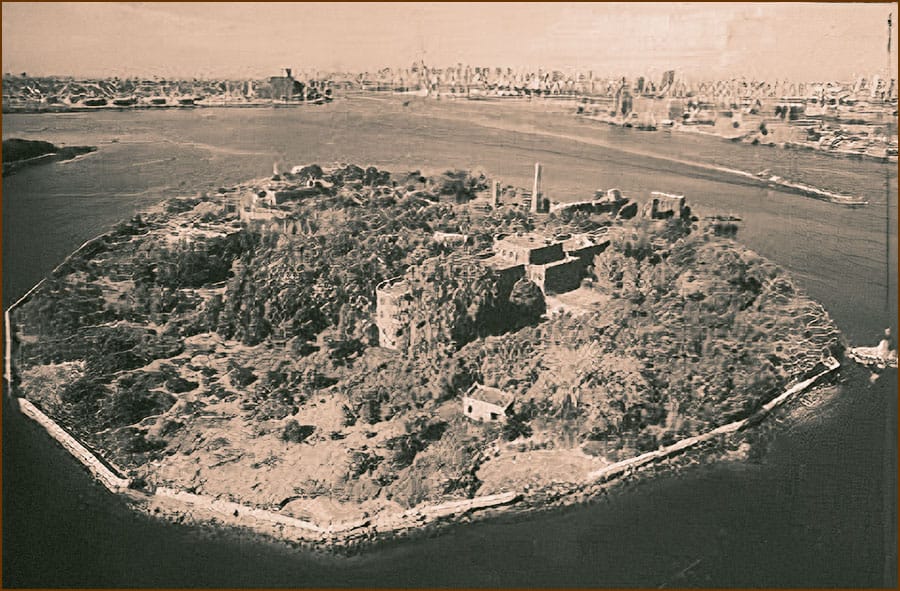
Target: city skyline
pixel 239 40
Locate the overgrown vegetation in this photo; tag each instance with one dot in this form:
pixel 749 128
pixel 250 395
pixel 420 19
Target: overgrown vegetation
pixel 694 332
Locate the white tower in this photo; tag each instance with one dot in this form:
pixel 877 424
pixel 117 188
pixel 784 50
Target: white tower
pixel 536 189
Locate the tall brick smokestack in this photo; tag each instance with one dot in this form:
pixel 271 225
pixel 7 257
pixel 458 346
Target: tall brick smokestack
pixel 536 190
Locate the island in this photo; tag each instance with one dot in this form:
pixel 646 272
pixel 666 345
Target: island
pixel 334 355
pixel 18 153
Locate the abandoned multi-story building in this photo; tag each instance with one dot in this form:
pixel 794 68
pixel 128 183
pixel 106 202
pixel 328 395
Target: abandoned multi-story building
pixel 264 204
pixel 610 202
pixel 257 206
pixel 392 313
pixel 556 266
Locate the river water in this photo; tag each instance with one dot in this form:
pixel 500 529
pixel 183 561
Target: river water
pixel 817 510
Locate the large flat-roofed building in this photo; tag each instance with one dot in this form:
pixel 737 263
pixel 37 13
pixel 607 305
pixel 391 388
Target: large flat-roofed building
pixel 556 266
pixel 509 272
pixel 585 246
pixel 559 276
pixel 286 87
pixel 529 249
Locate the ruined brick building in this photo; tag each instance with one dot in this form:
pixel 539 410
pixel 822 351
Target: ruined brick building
pixel 556 266
pixel 392 313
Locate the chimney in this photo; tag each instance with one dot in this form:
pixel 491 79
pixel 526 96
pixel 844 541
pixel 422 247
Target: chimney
pixel 495 194
pixel 287 73
pixel 536 190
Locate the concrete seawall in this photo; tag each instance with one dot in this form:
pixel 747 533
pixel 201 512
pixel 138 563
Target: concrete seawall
pixel 664 452
pixel 307 530
pixel 112 481
pixel 229 508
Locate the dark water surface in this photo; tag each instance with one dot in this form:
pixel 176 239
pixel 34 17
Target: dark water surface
pixel 818 510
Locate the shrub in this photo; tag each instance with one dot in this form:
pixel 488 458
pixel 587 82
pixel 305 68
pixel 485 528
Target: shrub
pixel 128 406
pixel 139 443
pixel 178 384
pixel 170 427
pixel 83 389
pixel 527 301
pixel 362 462
pixel 514 428
pixel 595 448
pixel 242 376
pixel 180 205
pixel 294 432
pixel 349 416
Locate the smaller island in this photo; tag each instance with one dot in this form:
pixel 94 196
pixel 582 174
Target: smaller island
pixel 333 355
pixel 18 153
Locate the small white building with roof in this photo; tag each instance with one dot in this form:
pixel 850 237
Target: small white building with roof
pixel 485 404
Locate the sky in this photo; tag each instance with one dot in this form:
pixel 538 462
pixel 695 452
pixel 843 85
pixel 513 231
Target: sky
pixel 798 41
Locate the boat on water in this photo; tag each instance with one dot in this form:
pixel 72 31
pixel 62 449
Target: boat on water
pixel 646 123
pixel 882 356
pixel 95 102
pixel 777 182
pixel 873 357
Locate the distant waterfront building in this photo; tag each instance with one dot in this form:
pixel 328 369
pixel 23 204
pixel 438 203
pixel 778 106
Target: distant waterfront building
pixel 285 87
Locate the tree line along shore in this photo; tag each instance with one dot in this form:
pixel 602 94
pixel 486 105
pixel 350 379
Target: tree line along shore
pixel 18 153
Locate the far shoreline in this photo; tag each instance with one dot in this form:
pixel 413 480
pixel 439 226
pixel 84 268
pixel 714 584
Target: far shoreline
pixel 60 109
pixel 405 98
